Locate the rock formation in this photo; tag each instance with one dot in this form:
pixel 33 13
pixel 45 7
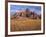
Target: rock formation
pixel 27 13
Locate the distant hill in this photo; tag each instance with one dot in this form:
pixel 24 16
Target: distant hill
pixel 26 13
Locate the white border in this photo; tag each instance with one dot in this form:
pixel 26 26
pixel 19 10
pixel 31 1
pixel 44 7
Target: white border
pixel 24 32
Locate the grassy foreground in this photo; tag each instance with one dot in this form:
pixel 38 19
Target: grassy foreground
pixel 25 24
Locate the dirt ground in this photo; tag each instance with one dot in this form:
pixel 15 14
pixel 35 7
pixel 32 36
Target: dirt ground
pixel 24 24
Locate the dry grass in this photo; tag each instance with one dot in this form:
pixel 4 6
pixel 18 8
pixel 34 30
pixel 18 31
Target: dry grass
pixel 25 24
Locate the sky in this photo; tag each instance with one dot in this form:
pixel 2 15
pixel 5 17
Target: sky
pixel 36 9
